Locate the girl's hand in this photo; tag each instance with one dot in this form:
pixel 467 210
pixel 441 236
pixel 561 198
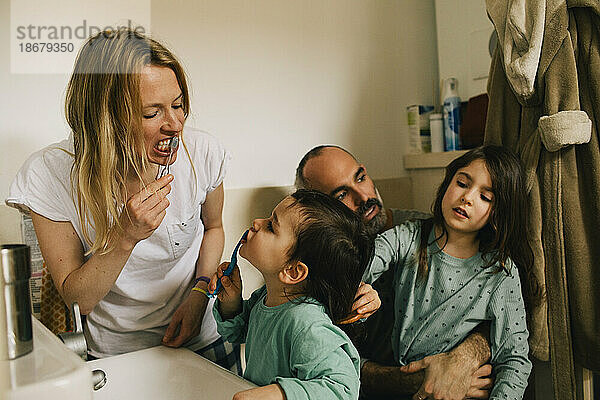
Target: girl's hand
pixel 145 210
pixel 230 295
pixel 366 303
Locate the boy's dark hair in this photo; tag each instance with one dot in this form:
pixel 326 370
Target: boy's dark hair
pixel 333 243
pixel 506 232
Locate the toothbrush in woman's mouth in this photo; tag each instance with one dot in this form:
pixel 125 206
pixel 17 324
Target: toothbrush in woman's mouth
pixel 173 144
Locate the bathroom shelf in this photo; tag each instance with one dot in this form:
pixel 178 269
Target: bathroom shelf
pixel 431 160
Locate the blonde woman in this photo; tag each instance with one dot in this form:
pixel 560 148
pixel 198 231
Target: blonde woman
pixel 128 247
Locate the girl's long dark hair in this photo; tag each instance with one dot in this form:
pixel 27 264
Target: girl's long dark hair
pixel 506 233
pixel 333 243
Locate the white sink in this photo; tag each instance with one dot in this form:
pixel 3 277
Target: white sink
pixel 165 373
pixel 50 372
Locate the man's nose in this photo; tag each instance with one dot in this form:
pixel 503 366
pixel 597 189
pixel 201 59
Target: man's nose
pixel 360 198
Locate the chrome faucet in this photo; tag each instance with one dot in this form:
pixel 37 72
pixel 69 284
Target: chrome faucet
pixel 75 340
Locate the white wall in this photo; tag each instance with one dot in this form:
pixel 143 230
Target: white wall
pixel 273 78
pixel 463 33
pixel 270 78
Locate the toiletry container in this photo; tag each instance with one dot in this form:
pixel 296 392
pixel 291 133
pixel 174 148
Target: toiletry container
pixel 436 126
pixel 451 111
pixel 419 139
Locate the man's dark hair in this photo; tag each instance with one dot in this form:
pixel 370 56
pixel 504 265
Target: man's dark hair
pixel 300 182
pixel 333 243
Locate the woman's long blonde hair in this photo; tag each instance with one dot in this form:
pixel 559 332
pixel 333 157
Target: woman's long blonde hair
pixel 103 108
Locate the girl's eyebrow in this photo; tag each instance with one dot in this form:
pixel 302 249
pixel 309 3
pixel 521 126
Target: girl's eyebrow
pixel 489 189
pixel 466 175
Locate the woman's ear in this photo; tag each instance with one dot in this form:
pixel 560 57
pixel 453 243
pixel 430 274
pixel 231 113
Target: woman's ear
pixel 293 273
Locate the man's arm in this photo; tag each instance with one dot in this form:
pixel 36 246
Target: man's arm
pixel 381 380
pixel 472 353
pixel 455 374
pixel 476 347
pixel 458 372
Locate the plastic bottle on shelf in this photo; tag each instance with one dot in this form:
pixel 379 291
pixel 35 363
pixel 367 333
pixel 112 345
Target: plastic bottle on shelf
pixel 451 112
pixel 418 128
pixel 436 126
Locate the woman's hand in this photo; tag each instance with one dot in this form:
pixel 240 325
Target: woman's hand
pixel 187 320
pixel 230 295
pixel 366 303
pixel 145 210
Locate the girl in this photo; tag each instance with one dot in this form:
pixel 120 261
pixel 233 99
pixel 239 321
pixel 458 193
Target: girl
pixel 459 268
pixel 312 252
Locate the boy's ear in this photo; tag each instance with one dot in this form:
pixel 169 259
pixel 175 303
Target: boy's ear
pixel 294 273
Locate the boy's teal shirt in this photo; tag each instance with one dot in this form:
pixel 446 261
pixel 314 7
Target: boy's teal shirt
pixel 294 345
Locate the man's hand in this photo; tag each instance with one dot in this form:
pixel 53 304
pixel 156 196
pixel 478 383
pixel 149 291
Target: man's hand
pixel 481 383
pixel 366 303
pixel 186 321
pixel 449 377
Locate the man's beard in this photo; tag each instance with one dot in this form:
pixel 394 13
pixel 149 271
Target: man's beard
pixel 376 224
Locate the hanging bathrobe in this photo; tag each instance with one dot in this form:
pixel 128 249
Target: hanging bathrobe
pixel 542 91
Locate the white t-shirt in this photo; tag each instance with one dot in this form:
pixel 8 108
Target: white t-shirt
pixel 160 272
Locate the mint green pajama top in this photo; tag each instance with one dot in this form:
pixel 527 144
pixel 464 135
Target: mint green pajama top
pixel 435 315
pixel 294 345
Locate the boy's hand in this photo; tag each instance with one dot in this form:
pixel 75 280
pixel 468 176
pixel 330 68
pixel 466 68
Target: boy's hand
pixel 230 295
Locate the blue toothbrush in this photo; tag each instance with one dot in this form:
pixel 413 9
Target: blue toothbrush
pixel 232 264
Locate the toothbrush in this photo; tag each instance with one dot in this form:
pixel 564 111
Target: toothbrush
pixel 232 264
pixel 173 144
